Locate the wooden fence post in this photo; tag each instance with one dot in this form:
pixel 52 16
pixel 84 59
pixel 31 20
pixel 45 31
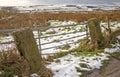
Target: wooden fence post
pixel 95 31
pixel 28 48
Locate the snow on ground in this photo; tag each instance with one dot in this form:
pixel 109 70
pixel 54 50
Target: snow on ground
pixel 118 37
pixel 34 75
pixel 68 64
pixel 114 25
pixel 52 8
pixel 6 47
pixel 6 39
pixel 55 40
pixel 62 30
pixel 77 30
pixel 58 23
pixel 115 47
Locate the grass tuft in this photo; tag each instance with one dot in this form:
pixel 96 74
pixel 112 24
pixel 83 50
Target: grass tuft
pixel 65 47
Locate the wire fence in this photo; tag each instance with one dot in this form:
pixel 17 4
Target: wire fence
pixel 39 36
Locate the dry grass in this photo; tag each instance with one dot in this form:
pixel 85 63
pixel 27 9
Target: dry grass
pixel 11 63
pixel 19 20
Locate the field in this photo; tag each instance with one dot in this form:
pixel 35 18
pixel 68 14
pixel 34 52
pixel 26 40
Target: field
pixel 10 20
pixel 70 60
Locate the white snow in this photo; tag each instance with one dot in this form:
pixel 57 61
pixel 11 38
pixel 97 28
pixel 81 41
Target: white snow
pixel 67 65
pixel 6 39
pixel 6 47
pixel 34 75
pixel 28 6
pixel 73 42
pixel 112 50
pixel 115 47
pixel 15 76
pixel 118 37
pixel 114 25
pixel 63 30
pixel 55 39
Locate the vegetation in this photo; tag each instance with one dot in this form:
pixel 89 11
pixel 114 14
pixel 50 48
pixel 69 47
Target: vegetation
pixel 30 52
pixel 12 64
pixel 18 20
pixel 114 34
pixel 56 55
pixel 65 47
pixel 83 72
pixel 0 37
pixel 105 63
pixel 83 65
pixel 82 29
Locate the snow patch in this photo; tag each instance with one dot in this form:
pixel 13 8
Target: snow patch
pixel 67 65
pixel 118 37
pixel 34 75
pixel 115 48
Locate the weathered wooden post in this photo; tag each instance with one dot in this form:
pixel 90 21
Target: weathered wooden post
pixel 39 41
pixel 95 31
pixel 28 48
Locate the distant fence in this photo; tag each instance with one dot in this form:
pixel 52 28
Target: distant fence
pixel 38 29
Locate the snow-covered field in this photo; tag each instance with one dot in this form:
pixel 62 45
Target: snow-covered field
pixel 70 65
pixel 114 25
pixel 75 30
pixel 6 47
pixel 56 7
pixel 66 7
pixel 55 40
pixel 115 47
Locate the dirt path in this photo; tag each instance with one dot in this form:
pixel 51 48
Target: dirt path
pixel 111 70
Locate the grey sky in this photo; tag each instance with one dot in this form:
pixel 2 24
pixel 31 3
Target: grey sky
pixel 54 2
pixel 76 1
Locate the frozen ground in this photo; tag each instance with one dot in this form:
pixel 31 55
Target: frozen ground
pixel 75 31
pixel 69 65
pixel 115 47
pixel 28 6
pixel 67 7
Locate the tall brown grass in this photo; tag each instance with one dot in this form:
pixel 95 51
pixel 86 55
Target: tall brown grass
pixel 19 20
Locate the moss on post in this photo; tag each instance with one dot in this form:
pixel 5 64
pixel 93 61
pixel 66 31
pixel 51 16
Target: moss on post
pixel 95 31
pixel 28 48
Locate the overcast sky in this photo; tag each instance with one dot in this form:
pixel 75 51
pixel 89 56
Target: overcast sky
pixel 42 2
pixel 77 1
